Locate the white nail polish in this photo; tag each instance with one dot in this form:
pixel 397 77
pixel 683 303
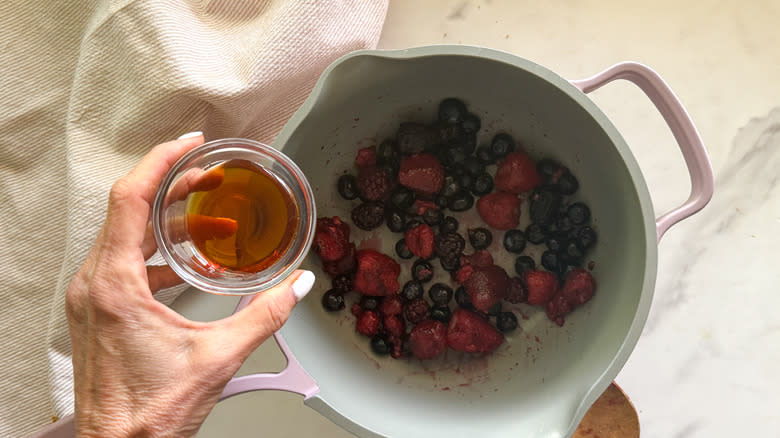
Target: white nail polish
pixel 303 284
pixel 190 135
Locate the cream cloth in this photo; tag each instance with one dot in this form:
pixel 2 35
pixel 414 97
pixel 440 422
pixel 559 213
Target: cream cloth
pixel 87 88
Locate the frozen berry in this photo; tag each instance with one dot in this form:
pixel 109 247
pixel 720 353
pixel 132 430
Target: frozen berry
pixel 506 321
pixel 514 241
pixel 517 292
pixel 402 198
pixel 470 333
pixel 377 273
pixel 480 238
pixel 450 265
pixel 402 250
pixel 471 123
pixel 356 309
pixel 547 168
pixel 479 259
pixel 420 241
pixel 347 187
pixel 395 220
pixel 342 283
pixel 388 153
pixel 331 239
pixel 416 311
pixel 483 184
pixel 394 325
pixel 578 213
pixel 391 305
pixel 428 339
pixel 440 294
pixel 466 182
pixel 422 270
pixel 451 186
pixel 516 173
pixel 380 345
pixel 473 167
pixel 499 210
pixel 441 313
pixel 541 285
pixel 432 216
pixel 568 184
pixel 551 261
pixel 586 237
pixel 495 309
pixel 414 137
pixel 501 145
pixel 412 290
pixel 555 243
pixel 375 183
pixel 452 111
pixel 572 254
pixel 544 206
pixel 333 300
pixel 448 225
pixel 368 215
pixel 366 157
pixel 368 323
pixel 449 245
pixel 423 173
pixel 535 233
pixel 462 298
pixel 485 155
pixel 524 263
pixel 367 302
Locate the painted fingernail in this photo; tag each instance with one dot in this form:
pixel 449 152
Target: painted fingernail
pixel 303 284
pixel 190 135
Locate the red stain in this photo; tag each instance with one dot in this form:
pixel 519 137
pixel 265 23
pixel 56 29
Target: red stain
pixel 446 388
pixel 356 119
pixel 537 338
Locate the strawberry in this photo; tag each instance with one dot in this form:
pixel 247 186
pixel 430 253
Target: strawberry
pixel 478 259
pixel 368 323
pixel 419 240
pixel 541 285
pixel 470 333
pixel 366 157
pixel 516 173
pixel 374 184
pixel 422 173
pixel 428 339
pixel 391 305
pixel 463 274
pixel 331 239
pixel 394 325
pixel 344 265
pixel 377 274
pixel 578 288
pixel 499 210
pixel 487 286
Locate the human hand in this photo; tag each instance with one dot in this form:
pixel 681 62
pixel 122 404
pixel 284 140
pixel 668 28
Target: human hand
pixel 140 368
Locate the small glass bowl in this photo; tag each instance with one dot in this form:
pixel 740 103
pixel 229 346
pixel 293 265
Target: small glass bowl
pixel 173 237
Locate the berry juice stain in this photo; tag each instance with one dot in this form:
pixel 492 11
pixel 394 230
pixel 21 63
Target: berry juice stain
pixel 245 223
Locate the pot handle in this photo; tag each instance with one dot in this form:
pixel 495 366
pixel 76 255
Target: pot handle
pixel 672 110
pixel 293 378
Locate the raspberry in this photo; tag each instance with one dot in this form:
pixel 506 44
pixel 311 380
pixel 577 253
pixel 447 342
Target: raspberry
pixel 416 311
pixel 394 325
pixel 479 259
pixel 517 293
pixel 419 240
pixel 368 323
pixel 344 265
pixel 577 289
pixel 366 157
pixel 449 246
pixel 374 183
pixel 541 285
pixel 516 173
pixel 469 333
pixel 391 305
pixel 331 239
pixel 356 309
pixel 377 274
pixel 487 286
pixel 499 210
pixel 428 339
pixel 368 216
pixel 422 173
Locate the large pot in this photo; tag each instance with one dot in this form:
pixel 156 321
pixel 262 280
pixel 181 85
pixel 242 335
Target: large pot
pixel 544 378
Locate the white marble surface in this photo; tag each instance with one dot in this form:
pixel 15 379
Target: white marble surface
pixel 707 362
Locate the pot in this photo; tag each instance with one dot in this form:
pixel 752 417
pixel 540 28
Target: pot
pixel 544 378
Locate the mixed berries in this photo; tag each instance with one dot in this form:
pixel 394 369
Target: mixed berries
pixel 409 184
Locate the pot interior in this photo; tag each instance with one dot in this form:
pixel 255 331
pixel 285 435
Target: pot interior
pixel 538 382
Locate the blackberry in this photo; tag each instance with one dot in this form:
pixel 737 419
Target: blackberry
pixel 452 111
pixel 402 250
pixel 514 241
pixel 412 290
pixel 480 238
pixel 473 167
pixel 416 311
pixel 395 220
pixel 524 263
pixel 422 270
pixel 448 225
pixel 568 184
pixel 448 245
pixel 578 213
pixel 485 155
pixel 381 345
pixel 501 145
pixel 586 238
pixel 450 265
pixel 432 216
pixel 440 294
pixel 342 283
pixel 544 206
pixel 347 187
pixel 333 300
pixel 535 233
pixel 471 123
pixel 402 198
pixel 483 184
pixel 506 322
pixel 369 303
pixel 462 298
pixel 368 215
pixel 461 201
pixel 441 313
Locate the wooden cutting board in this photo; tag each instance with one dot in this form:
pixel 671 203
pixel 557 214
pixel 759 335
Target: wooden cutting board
pixel 611 416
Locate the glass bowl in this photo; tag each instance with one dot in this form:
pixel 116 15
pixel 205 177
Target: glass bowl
pixel 234 217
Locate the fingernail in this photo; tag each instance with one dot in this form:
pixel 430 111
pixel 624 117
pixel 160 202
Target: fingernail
pixel 190 135
pixel 303 284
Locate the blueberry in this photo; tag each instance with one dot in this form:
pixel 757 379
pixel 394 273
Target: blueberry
pixel 480 238
pixel 578 213
pixel 342 283
pixel 514 241
pixel 387 153
pixel 411 221
pixel 402 198
pixel 448 225
pixel 422 271
pixel 556 242
pixel 369 303
pixel 451 186
pixel 453 156
pixel 471 123
pixel 483 184
pixel 466 182
pixel 440 294
pixel 535 233
pixel 462 298
pixel 495 309
pixel 485 155
pixel 547 169
pixel 395 220
pixel 452 111
pixel 412 290
pixel 441 201
pixel 473 167
pixel 544 206
pixel 551 261
pixel 501 145
pixel 450 264
pixel 568 184
pixel 524 263
pixel 441 313
pixel 402 250
pixel 572 254
pixel 506 321
pixel 586 237
pixel 461 201
pixel 347 187
pixel 432 216
pixel 333 300
pixel 563 224
pixel 381 345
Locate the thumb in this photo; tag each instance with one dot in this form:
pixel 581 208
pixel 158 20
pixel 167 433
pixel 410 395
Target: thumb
pixel 266 312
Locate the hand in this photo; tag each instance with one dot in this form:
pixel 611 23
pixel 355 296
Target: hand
pixel 141 369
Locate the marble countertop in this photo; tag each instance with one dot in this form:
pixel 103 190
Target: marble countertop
pixel 706 364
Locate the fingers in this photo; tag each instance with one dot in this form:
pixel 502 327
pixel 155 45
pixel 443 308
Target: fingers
pixel 266 313
pixel 196 180
pixel 203 228
pixel 131 197
pixel 161 277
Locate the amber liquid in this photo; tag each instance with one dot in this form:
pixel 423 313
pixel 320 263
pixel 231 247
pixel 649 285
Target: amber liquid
pixel 244 222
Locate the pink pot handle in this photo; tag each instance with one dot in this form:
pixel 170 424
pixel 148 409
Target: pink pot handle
pixel 292 378
pixel 667 103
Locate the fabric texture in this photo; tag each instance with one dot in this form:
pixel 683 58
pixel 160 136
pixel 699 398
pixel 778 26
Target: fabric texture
pixel 88 88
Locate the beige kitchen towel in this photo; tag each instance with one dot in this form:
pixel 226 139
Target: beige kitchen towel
pixel 87 87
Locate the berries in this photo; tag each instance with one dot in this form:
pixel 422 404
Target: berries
pixel 578 213
pixel 416 311
pixel 483 184
pixel 449 246
pixel 473 167
pixel 506 322
pixel 541 286
pixel 586 238
pixel 514 241
pixel 368 323
pixel 552 261
pixel 380 345
pixel 428 339
pixel 419 240
pixel 331 239
pixel 333 300
pixel 391 305
pixel 402 250
pixel 547 169
pixel 377 274
pixel 432 216
pixel 544 206
pixel 517 292
pixel 499 210
pixel 462 298
pixel 480 238
pixel 374 183
pixel 395 220
pixel 567 184
pixel 461 201
pixel 555 242
pixel 440 294
pixel 524 263
pixel 344 265
pixel 448 225
pixel 368 215
pixel 414 137
pixel 452 111
pixel 450 265
pixel 535 233
pixel 516 173
pixel 441 313
pixel 394 325
pixel 342 283
pixel 487 286
pixel 347 187
pixel 578 288
pixel 367 302
pixel 479 259
pixel 421 173
pixel 422 271
pixel 485 155
pixel 412 290
pixel 469 333
pixel 388 153
pixel 402 198
pixel 365 157
pixel 501 145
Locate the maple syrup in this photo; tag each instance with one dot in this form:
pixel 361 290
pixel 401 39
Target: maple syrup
pixel 246 220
